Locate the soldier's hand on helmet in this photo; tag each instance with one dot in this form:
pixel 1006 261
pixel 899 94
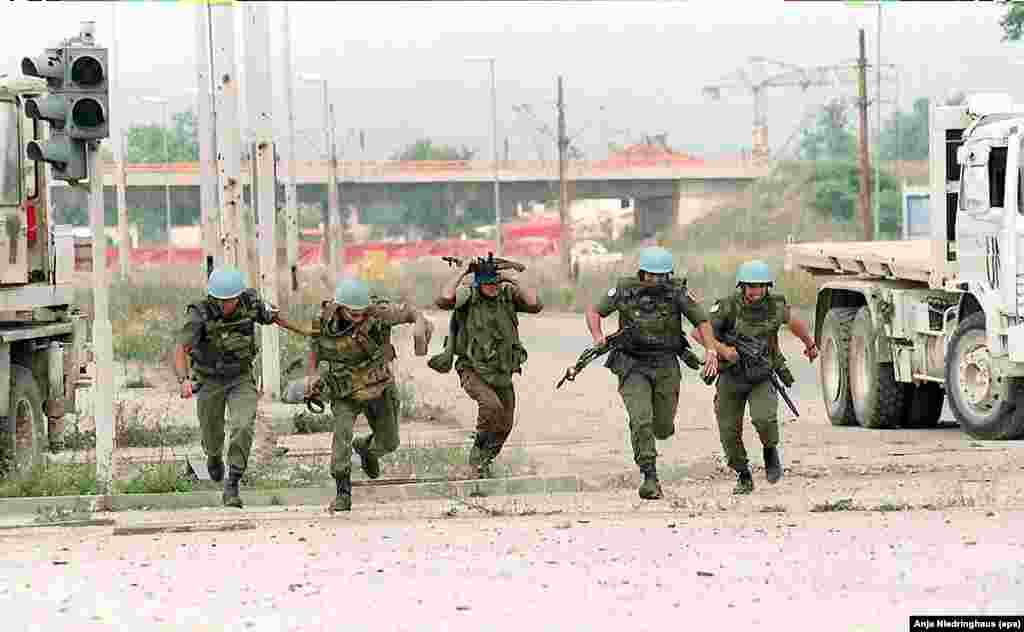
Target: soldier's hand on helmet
pixel 311 384
pixel 811 351
pixel 186 389
pixel 506 276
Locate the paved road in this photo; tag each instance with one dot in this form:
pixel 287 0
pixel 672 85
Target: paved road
pixel 589 570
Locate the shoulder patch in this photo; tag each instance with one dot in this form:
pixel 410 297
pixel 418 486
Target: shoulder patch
pixel 714 308
pixel 611 292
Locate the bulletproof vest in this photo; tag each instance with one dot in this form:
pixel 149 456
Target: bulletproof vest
pixel 489 335
pixel 654 314
pixel 761 319
pixel 228 344
pixel 358 355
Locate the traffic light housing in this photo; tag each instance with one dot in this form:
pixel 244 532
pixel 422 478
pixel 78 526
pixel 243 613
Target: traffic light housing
pixel 88 92
pixel 76 107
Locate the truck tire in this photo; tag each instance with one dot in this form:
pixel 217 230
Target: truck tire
pixel 833 368
pixel 26 413
pixel 925 408
pixel 878 399
pixel 985 409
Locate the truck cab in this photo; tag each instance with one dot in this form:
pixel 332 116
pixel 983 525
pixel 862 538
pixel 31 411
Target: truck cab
pixel 905 326
pixel 42 334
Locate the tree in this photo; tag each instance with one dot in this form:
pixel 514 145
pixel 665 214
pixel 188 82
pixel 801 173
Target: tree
pixel 146 142
pixel 831 138
pixel 836 184
pixel 1013 23
pixel 905 135
pixel 425 149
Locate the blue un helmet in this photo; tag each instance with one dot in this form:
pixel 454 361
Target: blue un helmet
pixel 655 260
pixel 352 293
pixel 754 273
pixel 225 283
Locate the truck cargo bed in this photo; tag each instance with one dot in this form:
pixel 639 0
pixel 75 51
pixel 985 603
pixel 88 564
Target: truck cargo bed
pixel 908 260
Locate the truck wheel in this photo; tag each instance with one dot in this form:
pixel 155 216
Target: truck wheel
pixel 981 405
pixel 833 367
pixel 26 411
pixel 878 399
pixel 925 407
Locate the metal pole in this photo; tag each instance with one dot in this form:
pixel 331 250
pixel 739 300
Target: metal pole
pixel 878 122
pixel 117 138
pixel 291 202
pixel 102 334
pixel 334 262
pixel 337 225
pixel 565 221
pixel 260 92
pixel 331 183
pixel 207 141
pixel 865 162
pixel 229 158
pixel 499 241
pixel 167 181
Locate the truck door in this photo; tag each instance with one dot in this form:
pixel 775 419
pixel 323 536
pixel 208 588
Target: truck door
pixel 13 227
pixel 980 240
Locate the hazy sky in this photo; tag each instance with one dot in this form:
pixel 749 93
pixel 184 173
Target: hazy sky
pixel 398 71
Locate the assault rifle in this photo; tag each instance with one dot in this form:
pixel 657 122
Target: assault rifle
pixel 442 362
pixel 592 353
pixel 755 363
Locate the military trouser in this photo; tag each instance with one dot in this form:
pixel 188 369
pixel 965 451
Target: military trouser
pixel 238 394
pixel 382 415
pixel 651 396
pixel 496 408
pixel 732 394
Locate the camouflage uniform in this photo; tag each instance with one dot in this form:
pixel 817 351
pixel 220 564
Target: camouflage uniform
pixel 355 362
pixel 489 353
pixel 648 366
pixel 761 319
pixel 222 351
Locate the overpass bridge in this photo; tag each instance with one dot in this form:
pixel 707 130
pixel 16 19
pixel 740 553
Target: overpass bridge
pixel 665 192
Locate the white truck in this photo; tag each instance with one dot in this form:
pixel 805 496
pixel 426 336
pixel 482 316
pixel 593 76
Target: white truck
pixel 902 326
pixel 42 335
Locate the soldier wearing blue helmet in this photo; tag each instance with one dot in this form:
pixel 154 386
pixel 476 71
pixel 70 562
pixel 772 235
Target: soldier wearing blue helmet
pixel 219 336
pixel 351 352
pixel 652 304
pixel 754 312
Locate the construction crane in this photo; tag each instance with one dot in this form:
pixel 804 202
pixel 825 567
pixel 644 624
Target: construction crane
pixel 762 73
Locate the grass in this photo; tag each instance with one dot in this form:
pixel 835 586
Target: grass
pixel 843 504
pixel 64 479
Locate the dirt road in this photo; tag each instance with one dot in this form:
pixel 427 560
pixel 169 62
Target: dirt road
pixel 866 528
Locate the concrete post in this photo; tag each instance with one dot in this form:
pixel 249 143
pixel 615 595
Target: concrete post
pixel 229 143
pixel 118 140
pixel 291 201
pixel 209 215
pixel 102 334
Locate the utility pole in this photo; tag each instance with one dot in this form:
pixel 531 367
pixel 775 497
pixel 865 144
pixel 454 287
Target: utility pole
pixel 864 197
pixel 878 124
pixel 117 139
pixel 334 232
pixel 207 142
pixel 563 188
pixel 290 200
pixel 229 157
pixel 260 109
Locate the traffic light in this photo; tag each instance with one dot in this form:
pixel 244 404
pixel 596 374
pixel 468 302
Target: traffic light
pixel 67 161
pixel 76 107
pixel 87 92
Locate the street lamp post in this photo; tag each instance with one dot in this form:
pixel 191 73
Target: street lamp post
pixel 332 251
pixel 167 167
pixel 494 147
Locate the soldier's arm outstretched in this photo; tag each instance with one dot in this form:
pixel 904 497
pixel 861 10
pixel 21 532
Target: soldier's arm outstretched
pixel 800 330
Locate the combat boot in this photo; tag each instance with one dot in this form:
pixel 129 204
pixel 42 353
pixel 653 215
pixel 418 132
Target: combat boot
pixel 650 489
pixel 744 484
pixel 772 465
pixel 215 466
pixel 343 497
pixel 231 497
pixel 368 460
pixel 481 454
